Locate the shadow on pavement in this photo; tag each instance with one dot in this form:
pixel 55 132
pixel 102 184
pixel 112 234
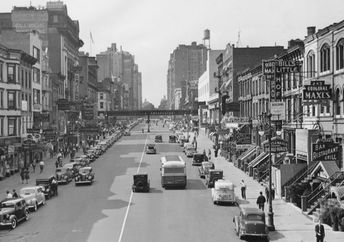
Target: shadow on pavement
pixel 119 203
pixel 275 235
pixel 195 184
pixel 242 201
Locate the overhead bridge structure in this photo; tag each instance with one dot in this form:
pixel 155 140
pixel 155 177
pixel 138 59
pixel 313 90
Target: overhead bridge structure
pixel 148 113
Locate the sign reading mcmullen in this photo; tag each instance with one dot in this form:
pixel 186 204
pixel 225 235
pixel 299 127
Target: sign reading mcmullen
pixel 318 90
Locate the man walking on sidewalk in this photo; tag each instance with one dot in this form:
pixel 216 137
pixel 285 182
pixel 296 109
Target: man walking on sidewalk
pixel 243 189
pixel 261 201
pixel 319 232
pixel 41 166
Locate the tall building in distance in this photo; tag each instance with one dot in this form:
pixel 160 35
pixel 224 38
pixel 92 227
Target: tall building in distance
pixel 187 63
pixel 120 66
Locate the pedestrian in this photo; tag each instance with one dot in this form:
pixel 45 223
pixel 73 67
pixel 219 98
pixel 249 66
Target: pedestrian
pixel 8 194
pixel 209 154
pixel 319 232
pixel 216 151
pixel 267 193
pixel 33 164
pixel 261 201
pixel 51 153
pixel 27 175
pixel 14 194
pixel 243 189
pixel 54 186
pixel 41 166
pixel 22 175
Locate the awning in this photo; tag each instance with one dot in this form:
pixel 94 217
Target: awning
pixel 328 167
pixel 259 159
pixel 247 153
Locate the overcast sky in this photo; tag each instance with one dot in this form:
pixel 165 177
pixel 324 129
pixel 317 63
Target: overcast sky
pixel 152 29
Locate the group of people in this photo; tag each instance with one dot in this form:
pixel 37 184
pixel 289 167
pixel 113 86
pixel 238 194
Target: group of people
pixel 11 195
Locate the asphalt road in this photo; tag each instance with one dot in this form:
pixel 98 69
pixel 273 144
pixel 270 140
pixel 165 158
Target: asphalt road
pixel 109 211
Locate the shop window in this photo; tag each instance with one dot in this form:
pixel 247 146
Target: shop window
pixel 12 126
pixel 11 73
pixel 11 103
pixel 340 54
pixel 311 64
pixel 325 58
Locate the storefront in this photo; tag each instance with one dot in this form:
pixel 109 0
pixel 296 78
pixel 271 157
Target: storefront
pixel 10 150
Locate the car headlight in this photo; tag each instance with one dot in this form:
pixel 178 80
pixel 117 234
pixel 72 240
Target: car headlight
pixel 89 177
pixel 76 178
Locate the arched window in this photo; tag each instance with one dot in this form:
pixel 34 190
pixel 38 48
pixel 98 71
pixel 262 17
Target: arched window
pixel 340 54
pixel 311 64
pixel 337 102
pixel 325 58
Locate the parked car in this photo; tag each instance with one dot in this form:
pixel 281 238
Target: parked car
pixel 74 166
pixel 33 196
pixel 80 160
pixel 172 139
pixel 64 175
pixel 85 176
pixel 141 183
pixel 198 158
pixel 223 192
pixel 203 170
pixel 250 222
pixel 150 149
pixel 13 211
pixel 190 151
pixel 213 176
pixel 158 139
pixel 49 185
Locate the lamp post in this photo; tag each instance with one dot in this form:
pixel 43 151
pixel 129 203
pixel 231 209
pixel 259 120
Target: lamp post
pixel 270 222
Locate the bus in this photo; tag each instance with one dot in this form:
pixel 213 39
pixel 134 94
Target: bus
pixel 173 172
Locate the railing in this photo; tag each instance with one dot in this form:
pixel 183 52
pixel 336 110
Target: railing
pixel 320 190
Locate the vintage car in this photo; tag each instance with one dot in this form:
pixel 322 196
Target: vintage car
pixel 172 139
pixel 158 139
pixel 182 139
pixel 141 183
pixel 213 176
pixel 64 175
pixel 80 160
pixel 85 176
pixel 13 211
pixel 223 192
pixel 198 158
pixel 150 149
pixel 33 196
pixel 91 155
pixel 74 166
pixel 49 186
pixel 203 170
pixel 190 151
pixel 250 222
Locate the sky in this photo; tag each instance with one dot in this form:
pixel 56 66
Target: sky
pixel 152 29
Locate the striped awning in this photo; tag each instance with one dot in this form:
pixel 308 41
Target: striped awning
pixel 259 159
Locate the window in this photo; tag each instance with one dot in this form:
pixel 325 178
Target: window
pixel 337 102
pixel 11 73
pixel 101 95
pixel 29 81
pixel 36 96
pixel 2 126
pixel 55 19
pixel 101 105
pixel 325 58
pixel 1 98
pixel 311 64
pixel 29 103
pixel 12 126
pixel 11 104
pixel 36 54
pixel 1 66
pixel 340 55
pixel 36 75
pixel 26 80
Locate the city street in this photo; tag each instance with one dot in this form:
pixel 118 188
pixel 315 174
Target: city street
pixel 100 212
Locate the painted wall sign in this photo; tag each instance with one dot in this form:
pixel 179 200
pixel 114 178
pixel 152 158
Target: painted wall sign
pixel 326 151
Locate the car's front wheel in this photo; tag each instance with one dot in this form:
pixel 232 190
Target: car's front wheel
pixel 13 223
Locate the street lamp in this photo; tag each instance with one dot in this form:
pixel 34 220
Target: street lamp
pixel 270 222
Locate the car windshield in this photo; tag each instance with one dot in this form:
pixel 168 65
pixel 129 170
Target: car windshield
pixel 27 191
pixel 254 217
pixel 7 205
pixel 85 171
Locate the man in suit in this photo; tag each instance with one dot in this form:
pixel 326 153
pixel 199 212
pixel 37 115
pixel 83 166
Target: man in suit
pixel 319 232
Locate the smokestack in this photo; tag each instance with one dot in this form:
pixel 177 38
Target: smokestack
pixel 310 30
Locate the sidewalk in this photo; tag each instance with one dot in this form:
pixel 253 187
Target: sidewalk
pixel 290 223
pixel 14 181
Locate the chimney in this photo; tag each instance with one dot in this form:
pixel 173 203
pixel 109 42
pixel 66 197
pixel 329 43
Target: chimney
pixel 193 43
pixel 113 47
pixel 310 30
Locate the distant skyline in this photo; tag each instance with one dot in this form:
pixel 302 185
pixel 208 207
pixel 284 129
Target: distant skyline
pixel 152 29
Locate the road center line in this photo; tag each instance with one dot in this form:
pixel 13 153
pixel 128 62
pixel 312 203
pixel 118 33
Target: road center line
pixel 131 194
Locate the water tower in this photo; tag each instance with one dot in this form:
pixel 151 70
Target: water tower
pixel 206 38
